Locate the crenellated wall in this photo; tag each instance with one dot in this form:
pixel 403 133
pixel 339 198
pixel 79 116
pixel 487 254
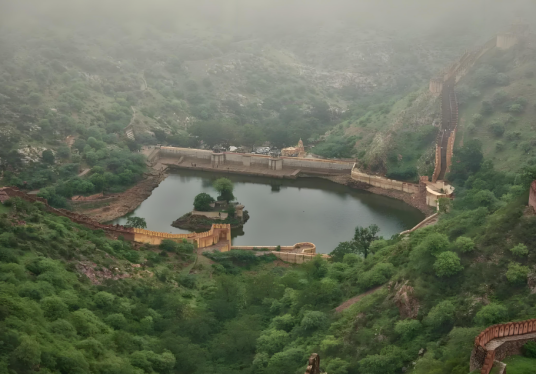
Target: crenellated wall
pixel 500 341
pixel 217 232
pixel 205 239
pixel 296 254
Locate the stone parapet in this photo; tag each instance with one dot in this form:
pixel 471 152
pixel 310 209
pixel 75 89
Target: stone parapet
pixel 499 342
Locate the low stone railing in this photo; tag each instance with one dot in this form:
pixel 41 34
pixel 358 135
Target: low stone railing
pixel 485 352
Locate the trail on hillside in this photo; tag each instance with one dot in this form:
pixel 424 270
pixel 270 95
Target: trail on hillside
pixel 348 303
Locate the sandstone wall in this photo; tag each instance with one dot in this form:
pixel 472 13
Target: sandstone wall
pixel 532 195
pixel 388 184
pixel 186 152
pixel 204 239
pixel 259 160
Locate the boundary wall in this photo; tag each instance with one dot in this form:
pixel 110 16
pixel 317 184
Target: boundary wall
pixel 500 341
pixel 296 254
pixel 204 239
pixel 420 224
pixel 387 184
pixel 247 160
pixel 532 195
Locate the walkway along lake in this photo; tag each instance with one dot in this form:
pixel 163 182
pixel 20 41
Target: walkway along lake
pixel 283 212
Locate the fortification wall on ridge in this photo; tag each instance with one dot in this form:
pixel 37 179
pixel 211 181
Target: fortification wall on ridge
pixel 532 195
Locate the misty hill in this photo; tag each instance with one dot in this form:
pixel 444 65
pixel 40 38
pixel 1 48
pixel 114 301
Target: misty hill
pixel 240 78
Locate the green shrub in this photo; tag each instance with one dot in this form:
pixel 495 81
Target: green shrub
pixel 517 273
pixel 491 314
pixel 408 328
pixel 497 128
pixel 520 250
pixel 441 314
pixel 202 202
pixel 529 349
pixel 447 264
pixel 477 118
pixel 464 244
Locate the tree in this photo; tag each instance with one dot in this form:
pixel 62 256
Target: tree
pixel 464 244
pixel 202 202
pixel 408 328
pixel 447 264
pixel 272 341
pixel 363 238
pixel 490 314
pixel 517 273
pixel 225 187
pixel 48 157
pixel 136 222
pixel 27 356
pixel 467 160
pixel 520 250
pixel 440 314
pixel 64 152
pixel 342 249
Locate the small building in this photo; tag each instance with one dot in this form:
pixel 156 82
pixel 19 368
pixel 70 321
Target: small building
pixel 298 151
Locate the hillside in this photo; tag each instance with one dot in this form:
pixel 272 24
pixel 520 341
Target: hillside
pixel 498 99
pixel 74 301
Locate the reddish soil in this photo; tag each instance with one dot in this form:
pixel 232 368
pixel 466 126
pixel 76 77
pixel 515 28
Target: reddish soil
pixel 348 303
pixel 129 200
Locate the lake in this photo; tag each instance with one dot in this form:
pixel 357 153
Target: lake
pixel 282 211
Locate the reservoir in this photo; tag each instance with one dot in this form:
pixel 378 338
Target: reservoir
pixel 282 211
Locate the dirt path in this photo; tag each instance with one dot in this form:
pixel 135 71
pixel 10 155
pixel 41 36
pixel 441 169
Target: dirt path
pixel 128 200
pixel 348 303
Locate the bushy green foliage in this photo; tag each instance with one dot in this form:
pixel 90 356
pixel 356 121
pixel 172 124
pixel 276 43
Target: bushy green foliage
pixel 464 244
pixel 529 349
pixel 408 328
pixel 520 250
pixel 202 202
pixel 137 222
pixel 517 273
pixel 225 187
pixel 491 314
pixel 441 314
pixel 447 264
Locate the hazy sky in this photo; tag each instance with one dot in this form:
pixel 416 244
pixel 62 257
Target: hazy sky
pixel 258 14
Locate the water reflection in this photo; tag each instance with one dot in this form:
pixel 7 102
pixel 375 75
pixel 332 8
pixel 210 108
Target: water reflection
pixel 282 212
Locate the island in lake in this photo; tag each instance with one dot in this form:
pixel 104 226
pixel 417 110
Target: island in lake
pixel 208 211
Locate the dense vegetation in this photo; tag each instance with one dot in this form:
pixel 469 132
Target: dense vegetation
pixel 243 314
pixel 71 81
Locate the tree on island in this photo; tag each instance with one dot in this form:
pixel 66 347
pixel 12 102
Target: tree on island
pixel 225 187
pixel 202 202
pixel 136 222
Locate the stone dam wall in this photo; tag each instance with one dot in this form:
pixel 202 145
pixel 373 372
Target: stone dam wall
pixel 253 160
pixel 385 183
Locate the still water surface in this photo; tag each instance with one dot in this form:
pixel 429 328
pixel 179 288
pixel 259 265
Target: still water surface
pixel 282 212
